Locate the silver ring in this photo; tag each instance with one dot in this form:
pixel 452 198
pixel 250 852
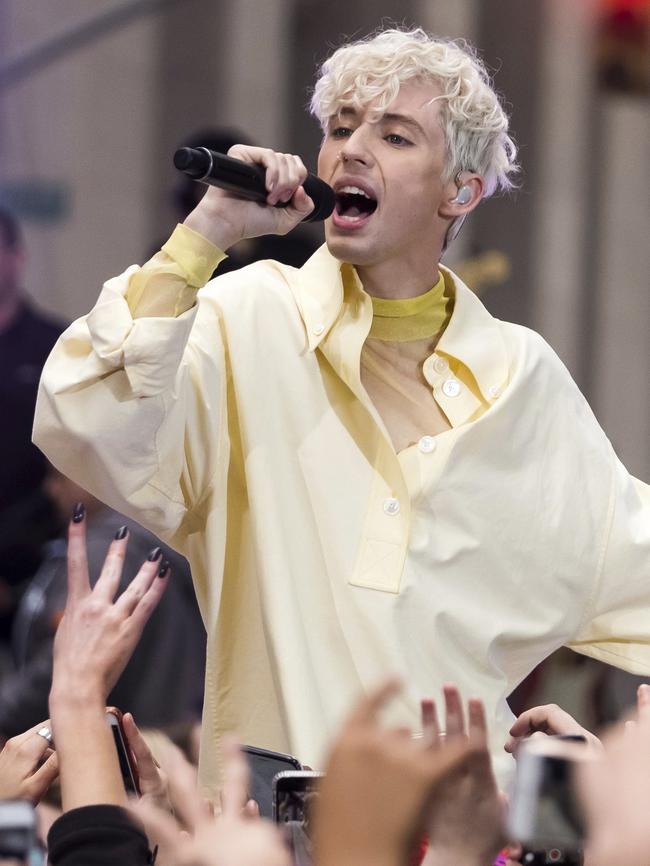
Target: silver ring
pixel 46 733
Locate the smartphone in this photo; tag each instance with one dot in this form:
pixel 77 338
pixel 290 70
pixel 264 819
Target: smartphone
pixel 128 768
pixel 18 832
pixel 294 794
pixel 545 814
pixel 265 766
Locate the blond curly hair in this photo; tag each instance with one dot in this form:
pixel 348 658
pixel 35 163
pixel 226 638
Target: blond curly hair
pixel 369 72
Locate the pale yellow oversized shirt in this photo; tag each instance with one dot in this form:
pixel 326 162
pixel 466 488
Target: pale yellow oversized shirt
pixel 238 430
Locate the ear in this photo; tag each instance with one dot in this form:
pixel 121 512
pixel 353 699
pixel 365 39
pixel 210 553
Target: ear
pixel 461 195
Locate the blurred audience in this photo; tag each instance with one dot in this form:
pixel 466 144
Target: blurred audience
pixel 163 681
pixel 385 799
pixel 26 337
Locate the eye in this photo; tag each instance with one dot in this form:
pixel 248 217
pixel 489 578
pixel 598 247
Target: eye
pixel 341 132
pixel 395 138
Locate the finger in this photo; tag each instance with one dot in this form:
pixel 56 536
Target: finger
pixel 454 716
pixel 430 726
pixel 28 734
pixel 188 802
pixel 548 719
pixel 272 176
pixel 43 777
pixel 252 809
pixel 643 703
pixel 78 582
pixel 164 829
pixel 367 708
pixel 109 579
pixel 629 729
pixel 300 169
pixel 151 598
pixel 289 179
pixel 477 724
pixel 144 759
pixel 30 748
pixel 301 204
pixel 236 778
pixel 137 589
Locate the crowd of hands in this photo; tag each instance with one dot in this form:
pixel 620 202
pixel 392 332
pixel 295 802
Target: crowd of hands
pixel 383 792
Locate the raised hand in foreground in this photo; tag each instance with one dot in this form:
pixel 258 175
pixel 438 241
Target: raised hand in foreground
pixel 28 766
pixel 380 787
pixel 547 720
pixel 615 790
pixel 234 838
pixel 93 643
pixel 466 823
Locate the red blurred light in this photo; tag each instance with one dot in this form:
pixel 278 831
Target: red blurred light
pixel 626 5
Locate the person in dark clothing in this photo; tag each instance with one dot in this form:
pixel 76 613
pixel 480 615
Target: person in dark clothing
pixel 162 683
pixel 97 834
pixel 26 337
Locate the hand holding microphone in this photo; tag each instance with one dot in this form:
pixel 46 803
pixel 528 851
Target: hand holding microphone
pixel 242 181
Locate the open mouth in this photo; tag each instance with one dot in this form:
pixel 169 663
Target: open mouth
pixel 353 205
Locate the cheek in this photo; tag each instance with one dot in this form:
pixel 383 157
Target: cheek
pixel 327 158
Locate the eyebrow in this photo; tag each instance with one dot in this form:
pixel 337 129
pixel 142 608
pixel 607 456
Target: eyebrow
pixel 390 117
pixel 404 119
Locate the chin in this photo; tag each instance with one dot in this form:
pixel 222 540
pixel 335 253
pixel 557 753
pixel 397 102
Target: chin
pixel 352 250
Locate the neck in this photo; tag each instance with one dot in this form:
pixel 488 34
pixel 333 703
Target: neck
pixel 9 306
pixel 399 280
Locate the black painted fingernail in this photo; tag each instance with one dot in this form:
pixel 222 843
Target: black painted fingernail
pixel 78 512
pixel 155 554
pixel 121 533
pixel 164 569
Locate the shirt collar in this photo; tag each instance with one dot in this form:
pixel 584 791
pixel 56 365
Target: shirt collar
pixel 472 336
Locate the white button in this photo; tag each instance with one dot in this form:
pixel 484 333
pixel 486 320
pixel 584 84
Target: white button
pixel 494 391
pixel 451 388
pixel 318 330
pixel 391 505
pixel 440 364
pixel 427 444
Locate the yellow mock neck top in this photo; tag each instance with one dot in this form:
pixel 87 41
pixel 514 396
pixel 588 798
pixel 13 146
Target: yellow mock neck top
pixel 404 319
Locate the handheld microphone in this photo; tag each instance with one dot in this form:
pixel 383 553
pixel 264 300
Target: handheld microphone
pixel 247 180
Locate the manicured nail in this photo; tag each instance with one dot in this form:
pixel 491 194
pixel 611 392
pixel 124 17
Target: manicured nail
pixel 78 512
pixel 155 554
pixel 164 569
pixel 121 533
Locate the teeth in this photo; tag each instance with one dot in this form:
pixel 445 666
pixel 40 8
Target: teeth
pixel 354 190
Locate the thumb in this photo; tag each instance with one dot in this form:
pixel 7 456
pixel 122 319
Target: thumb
pixel 301 203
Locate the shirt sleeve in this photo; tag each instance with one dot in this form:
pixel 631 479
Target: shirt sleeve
pixel 616 627
pixel 122 405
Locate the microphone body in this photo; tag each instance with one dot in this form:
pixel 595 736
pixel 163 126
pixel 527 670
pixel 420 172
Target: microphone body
pixel 247 180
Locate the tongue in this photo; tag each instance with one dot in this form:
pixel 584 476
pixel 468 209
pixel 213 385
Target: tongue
pixel 353 211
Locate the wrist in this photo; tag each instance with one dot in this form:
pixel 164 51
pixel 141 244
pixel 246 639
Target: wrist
pixel 82 697
pixel 212 223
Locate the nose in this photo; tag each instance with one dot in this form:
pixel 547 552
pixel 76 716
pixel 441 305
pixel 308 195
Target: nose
pixel 357 147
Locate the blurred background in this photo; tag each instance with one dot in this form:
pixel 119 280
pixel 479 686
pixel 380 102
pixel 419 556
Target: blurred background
pixel 95 97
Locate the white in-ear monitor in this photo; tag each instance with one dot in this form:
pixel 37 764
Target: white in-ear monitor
pixel 463 196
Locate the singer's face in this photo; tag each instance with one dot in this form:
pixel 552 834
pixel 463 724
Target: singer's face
pixel 387 173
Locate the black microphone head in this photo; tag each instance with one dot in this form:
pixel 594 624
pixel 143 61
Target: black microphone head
pixel 195 162
pixel 323 197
